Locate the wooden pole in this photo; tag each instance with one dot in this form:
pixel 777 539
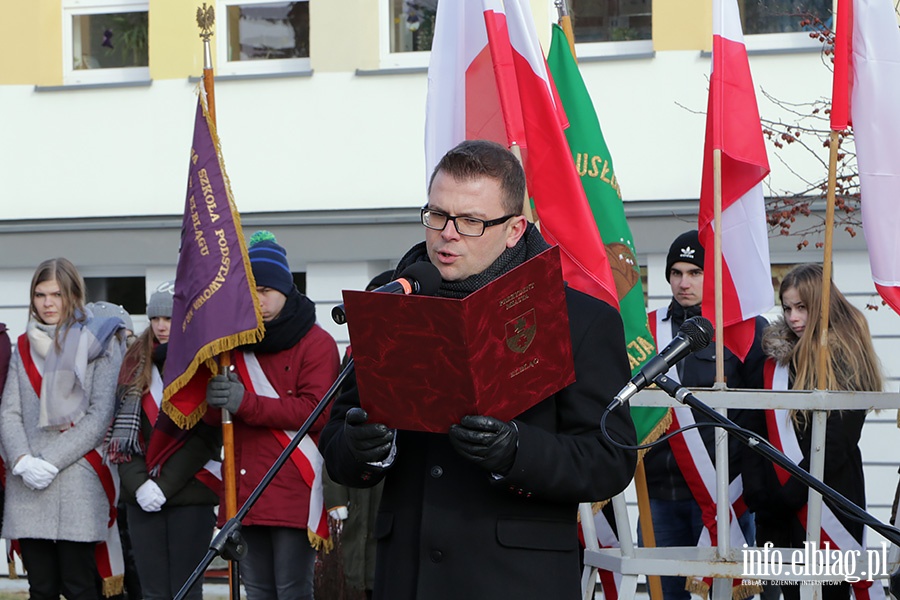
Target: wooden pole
pixel 822 366
pixel 206 20
pixel 565 21
pixel 645 517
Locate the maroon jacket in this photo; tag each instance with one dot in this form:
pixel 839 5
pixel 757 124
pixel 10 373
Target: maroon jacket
pixel 301 375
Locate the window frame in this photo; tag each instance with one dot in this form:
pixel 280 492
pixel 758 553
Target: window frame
pixel 275 66
pixel 791 41
pixel 75 8
pixel 396 60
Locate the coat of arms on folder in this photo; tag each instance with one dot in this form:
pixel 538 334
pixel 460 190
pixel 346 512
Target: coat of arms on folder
pixel 422 363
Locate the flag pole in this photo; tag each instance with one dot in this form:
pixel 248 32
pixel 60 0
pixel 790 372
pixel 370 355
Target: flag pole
pixel 206 18
pixel 565 21
pixel 526 202
pixel 640 475
pixel 834 143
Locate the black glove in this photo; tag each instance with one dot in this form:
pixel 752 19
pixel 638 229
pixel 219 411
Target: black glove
pixel 486 441
pixel 225 392
pixel 369 442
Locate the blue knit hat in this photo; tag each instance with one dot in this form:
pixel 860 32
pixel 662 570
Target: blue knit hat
pixel 269 263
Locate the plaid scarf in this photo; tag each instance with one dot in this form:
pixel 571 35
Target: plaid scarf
pixel 63 399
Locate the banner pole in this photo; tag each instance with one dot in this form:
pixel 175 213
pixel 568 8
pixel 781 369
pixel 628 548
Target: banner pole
pixel 206 19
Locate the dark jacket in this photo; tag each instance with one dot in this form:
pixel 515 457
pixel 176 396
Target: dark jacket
pixel 776 505
pixel 447 528
pixel 5 353
pixel 664 478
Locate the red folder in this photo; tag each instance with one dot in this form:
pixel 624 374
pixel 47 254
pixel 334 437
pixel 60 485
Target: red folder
pixel 422 363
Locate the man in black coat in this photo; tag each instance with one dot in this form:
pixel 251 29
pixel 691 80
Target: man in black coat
pixel 489 509
pixel 677 519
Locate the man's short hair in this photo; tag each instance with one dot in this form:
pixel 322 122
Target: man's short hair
pixel 473 159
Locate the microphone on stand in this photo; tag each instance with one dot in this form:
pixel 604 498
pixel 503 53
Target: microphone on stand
pixel 694 334
pixel 421 278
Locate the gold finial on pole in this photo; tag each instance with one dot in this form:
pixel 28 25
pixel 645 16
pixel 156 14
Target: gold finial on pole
pixel 206 18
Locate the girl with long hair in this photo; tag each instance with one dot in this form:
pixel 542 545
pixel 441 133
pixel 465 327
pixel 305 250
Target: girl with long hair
pixel 57 404
pixel 792 344
pixel 170 514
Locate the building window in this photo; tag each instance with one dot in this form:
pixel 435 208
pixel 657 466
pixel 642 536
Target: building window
pixel 412 25
pixel 611 20
pixel 105 41
pixel 127 292
pixel 263 37
pixel 781 16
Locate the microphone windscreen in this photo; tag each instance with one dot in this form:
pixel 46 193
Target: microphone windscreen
pixel 425 274
pixel 699 331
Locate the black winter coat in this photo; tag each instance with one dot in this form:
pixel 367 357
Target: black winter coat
pixel 698 370
pixel 447 528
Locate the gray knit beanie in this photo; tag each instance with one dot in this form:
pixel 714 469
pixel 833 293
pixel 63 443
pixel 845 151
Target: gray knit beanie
pixel 108 310
pixel 161 301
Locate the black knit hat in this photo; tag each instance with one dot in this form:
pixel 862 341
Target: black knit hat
pixel 269 263
pixel 685 248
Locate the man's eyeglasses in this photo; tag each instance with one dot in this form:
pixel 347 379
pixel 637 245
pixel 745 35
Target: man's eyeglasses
pixel 468 226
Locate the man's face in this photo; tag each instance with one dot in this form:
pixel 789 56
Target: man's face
pixel 457 256
pixel 271 302
pixel 686 281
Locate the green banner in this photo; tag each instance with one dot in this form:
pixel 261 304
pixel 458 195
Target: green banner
pixel 595 167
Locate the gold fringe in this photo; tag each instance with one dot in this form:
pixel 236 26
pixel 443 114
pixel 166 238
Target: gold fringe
pixel 12 570
pixel 318 542
pixel 697 586
pixel 182 420
pixel 742 592
pixel 655 433
pixel 113 585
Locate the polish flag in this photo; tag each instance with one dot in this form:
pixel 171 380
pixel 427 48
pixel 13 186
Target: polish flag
pixel 867 93
pixel 488 80
pixel 733 126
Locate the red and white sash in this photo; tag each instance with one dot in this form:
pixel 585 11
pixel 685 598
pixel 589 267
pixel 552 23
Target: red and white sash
pixel 108 553
pixel 211 473
pixel 699 471
pixel 783 436
pixel 306 457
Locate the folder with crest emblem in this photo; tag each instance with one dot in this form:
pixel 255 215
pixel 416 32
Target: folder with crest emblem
pixel 422 363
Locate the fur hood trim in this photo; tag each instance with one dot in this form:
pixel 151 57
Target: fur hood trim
pixel 778 341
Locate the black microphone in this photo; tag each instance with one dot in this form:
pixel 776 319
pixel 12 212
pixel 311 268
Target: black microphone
pixel 421 278
pixel 695 334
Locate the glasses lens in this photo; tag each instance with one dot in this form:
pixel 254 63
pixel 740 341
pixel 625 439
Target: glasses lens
pixel 469 226
pixel 433 220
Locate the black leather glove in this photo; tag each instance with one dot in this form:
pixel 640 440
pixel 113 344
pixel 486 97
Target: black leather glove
pixel 369 442
pixel 486 441
pixel 225 391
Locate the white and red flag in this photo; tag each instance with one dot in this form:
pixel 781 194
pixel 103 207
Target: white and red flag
pixel 733 127
pixel 866 94
pixel 488 80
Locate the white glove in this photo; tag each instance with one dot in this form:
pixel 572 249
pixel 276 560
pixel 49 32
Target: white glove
pixel 338 513
pixel 35 472
pixel 150 497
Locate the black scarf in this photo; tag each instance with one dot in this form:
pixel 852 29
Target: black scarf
pixel 529 245
pixel 288 328
pixel 679 313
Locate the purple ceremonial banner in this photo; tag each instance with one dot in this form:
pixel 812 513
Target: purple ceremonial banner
pixel 215 307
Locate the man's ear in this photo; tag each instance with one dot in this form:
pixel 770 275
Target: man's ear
pixel 517 227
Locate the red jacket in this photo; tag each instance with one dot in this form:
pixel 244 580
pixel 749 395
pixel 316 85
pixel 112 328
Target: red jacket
pixel 301 375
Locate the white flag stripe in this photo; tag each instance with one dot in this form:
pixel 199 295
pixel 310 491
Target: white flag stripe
pixel 876 128
pixel 745 248
pixel 727 21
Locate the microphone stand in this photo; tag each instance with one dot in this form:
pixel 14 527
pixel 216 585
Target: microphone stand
pixel 762 446
pixel 228 542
